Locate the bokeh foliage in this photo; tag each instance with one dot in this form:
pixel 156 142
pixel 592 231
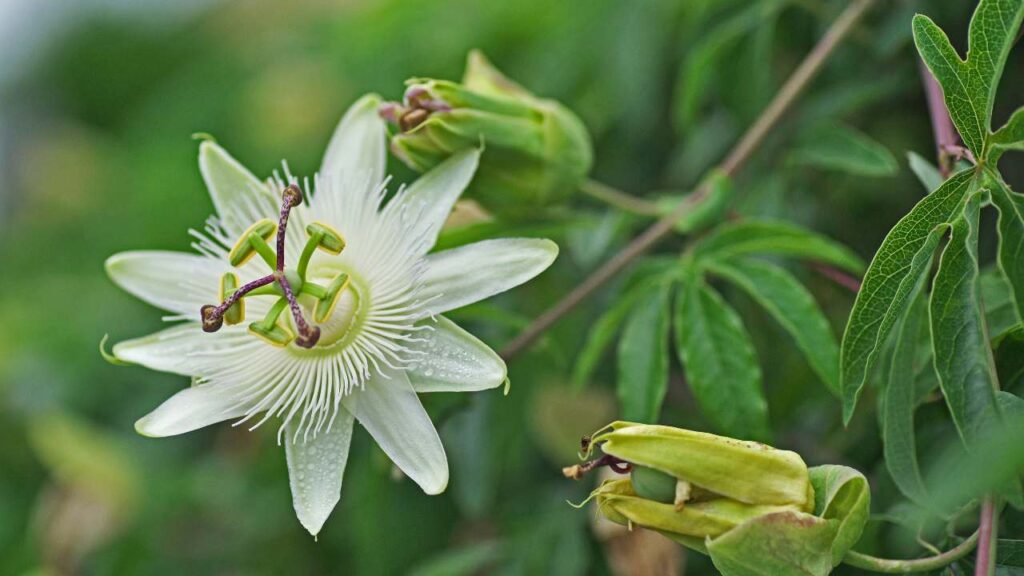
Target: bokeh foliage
pixel 98 159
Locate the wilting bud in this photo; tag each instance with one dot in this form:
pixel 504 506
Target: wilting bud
pixel 537 151
pixel 743 503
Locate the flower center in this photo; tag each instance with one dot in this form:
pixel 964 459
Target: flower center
pixel 290 285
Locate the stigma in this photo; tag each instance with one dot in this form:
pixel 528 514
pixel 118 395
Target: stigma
pixel 286 283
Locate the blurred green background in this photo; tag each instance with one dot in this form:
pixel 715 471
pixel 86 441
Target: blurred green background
pixel 98 99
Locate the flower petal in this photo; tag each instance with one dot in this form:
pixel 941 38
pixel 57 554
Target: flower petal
pixel 453 360
pixel 184 349
pixel 390 410
pixel 358 149
pixel 237 195
pixel 174 281
pixel 189 410
pixel 315 470
pixel 468 274
pixel 431 197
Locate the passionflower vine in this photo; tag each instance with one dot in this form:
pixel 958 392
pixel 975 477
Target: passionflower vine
pixel 315 303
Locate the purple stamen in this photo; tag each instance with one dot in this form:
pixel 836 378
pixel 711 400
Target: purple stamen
pixel 307 336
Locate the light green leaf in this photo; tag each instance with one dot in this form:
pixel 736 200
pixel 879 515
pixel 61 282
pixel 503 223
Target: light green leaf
pixel 708 211
pixel 1011 238
pixel 643 355
pixel 900 399
pixel 1009 137
pixel 926 172
pixel 720 362
pixel 969 85
pixel 903 258
pixel 778 238
pixel 795 543
pixel 844 149
pixel 782 295
pixel 963 359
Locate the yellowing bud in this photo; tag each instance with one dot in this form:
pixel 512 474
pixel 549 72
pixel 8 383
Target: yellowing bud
pixel 537 151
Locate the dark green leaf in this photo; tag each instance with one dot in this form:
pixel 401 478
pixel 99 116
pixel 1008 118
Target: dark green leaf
pixel 643 355
pixel 776 237
pixel 699 65
pixel 1010 357
pixel 847 150
pixel 1000 313
pixel 963 359
pixel 706 213
pixel 782 295
pixel 901 397
pixel 925 171
pixel 1011 238
pixel 720 362
pixel 900 263
pixel 970 85
pixel 1009 137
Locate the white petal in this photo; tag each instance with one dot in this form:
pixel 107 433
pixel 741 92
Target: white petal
pixel 431 197
pixel 453 360
pixel 174 281
pixel 315 469
pixel 184 349
pixel 390 410
pixel 189 410
pixel 358 149
pixel 234 190
pixel 468 274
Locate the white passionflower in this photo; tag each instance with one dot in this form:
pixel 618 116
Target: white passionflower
pixel 337 317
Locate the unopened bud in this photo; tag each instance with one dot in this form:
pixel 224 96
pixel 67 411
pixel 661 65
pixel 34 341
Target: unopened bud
pixel 537 151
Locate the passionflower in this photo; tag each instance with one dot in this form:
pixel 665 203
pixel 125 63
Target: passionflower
pixel 316 303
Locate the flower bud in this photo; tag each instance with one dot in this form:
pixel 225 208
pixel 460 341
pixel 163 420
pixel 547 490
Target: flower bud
pixel 537 151
pixel 744 504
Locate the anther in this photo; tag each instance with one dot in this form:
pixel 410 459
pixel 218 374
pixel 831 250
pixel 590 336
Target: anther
pixel 325 307
pixel 228 286
pixel 252 241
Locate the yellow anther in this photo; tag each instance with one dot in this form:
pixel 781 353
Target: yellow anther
pixel 325 307
pixel 330 240
pixel 276 335
pixel 252 240
pixel 236 313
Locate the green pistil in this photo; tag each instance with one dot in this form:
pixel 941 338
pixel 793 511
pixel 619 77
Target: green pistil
pixel 285 283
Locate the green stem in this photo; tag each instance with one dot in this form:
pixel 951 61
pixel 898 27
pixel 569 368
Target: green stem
pixel 887 566
pixel 618 198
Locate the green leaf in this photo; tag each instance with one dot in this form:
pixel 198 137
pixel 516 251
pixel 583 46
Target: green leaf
pixel 903 259
pixel 720 362
pixel 1000 312
pixel 775 237
pixel 969 86
pixel 782 295
pixel 708 211
pixel 926 172
pixel 698 68
pixel 1011 238
pixel 1009 137
pixel 844 149
pixel 1009 355
pixel 795 543
pixel 963 359
pixel 643 356
pixel 901 398
pixel 603 331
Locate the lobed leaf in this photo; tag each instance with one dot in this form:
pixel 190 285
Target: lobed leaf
pixel 775 237
pixel 903 259
pixel 1009 137
pixel 969 85
pixel 643 355
pixel 720 362
pixel 792 306
pixel 963 359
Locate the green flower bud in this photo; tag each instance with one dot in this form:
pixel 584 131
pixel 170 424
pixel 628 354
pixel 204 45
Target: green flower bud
pixel 537 151
pixel 754 509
